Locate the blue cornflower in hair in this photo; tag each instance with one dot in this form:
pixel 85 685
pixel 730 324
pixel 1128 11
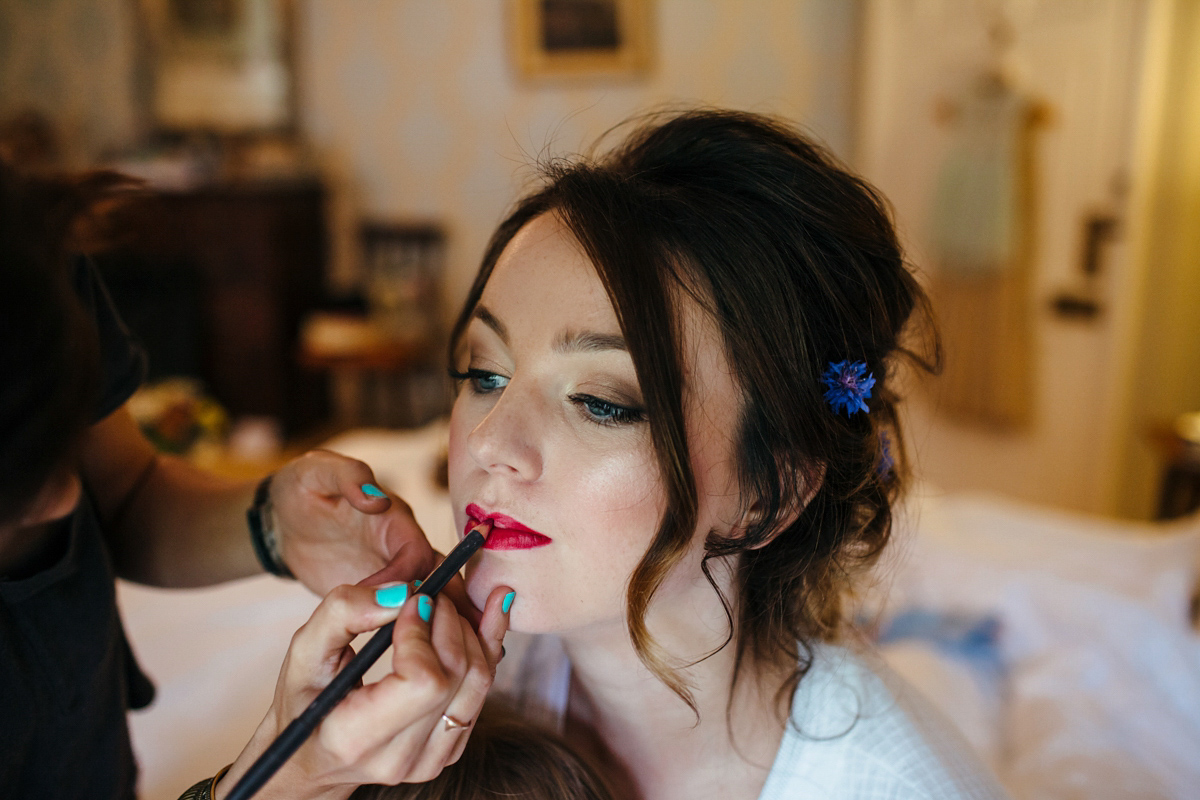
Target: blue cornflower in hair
pixel 848 385
pixel 886 461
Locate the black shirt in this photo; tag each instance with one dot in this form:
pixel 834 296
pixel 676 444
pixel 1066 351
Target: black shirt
pixel 67 675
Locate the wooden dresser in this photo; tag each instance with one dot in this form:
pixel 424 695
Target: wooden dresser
pixel 216 280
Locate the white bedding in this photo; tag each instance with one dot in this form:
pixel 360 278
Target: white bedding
pixel 1100 696
pixel 1097 693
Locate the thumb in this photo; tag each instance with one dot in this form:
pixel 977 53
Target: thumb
pixel 494 624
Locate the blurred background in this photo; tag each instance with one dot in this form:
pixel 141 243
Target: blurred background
pixel 325 175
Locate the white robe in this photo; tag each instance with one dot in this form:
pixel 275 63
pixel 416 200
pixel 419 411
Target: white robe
pixel 856 731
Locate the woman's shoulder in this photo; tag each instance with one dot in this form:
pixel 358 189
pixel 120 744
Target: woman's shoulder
pixel 858 731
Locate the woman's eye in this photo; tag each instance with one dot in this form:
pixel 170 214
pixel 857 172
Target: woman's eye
pixel 481 381
pixel 607 413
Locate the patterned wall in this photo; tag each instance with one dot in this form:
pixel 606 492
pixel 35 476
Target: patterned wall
pixel 416 106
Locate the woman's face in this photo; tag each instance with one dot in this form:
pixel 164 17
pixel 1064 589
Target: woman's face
pixel 549 440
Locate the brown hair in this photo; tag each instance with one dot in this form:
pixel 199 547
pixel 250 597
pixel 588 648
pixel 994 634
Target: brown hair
pixel 505 758
pixel 796 261
pixel 49 357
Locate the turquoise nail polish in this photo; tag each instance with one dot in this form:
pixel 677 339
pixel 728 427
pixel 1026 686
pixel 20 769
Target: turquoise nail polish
pixel 392 596
pixel 508 600
pixel 425 607
pixel 417 584
pixel 371 490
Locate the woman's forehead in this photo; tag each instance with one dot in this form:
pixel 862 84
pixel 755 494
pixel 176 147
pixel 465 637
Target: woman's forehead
pixel 545 285
pixel 543 278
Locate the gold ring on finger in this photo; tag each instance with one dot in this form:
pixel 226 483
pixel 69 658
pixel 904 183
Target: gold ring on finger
pixel 453 724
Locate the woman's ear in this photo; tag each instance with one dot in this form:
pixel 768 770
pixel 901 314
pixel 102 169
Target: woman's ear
pixel 754 514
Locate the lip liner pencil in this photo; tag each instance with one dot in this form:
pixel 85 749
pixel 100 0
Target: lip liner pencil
pixel 302 726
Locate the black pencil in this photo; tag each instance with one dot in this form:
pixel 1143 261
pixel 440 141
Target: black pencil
pixel 302 726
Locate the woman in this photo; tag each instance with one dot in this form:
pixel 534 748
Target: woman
pixel 676 403
pixel 676 368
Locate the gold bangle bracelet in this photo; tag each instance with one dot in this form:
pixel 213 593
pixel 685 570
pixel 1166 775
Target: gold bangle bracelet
pixel 203 790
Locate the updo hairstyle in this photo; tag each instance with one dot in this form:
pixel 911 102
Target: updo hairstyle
pixel 797 263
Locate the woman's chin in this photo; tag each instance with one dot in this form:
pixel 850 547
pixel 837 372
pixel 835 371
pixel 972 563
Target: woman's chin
pixel 530 622
pixel 481 582
pixel 522 618
pixel 478 592
pixel 529 614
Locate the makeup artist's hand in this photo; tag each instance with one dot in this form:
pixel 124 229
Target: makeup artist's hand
pixel 392 731
pixel 336 526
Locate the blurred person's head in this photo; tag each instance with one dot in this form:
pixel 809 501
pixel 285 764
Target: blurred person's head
pixel 49 360
pixel 505 759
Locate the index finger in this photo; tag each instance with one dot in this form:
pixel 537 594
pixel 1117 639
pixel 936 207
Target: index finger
pixel 343 614
pixel 400 568
pixel 332 474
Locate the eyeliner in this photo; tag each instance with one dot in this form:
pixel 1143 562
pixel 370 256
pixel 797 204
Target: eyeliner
pixel 299 729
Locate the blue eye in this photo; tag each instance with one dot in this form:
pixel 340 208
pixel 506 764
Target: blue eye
pixel 489 382
pixel 605 413
pixel 481 381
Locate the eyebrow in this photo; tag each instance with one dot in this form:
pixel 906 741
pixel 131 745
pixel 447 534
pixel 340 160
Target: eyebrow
pixel 589 342
pixel 568 342
pixel 488 318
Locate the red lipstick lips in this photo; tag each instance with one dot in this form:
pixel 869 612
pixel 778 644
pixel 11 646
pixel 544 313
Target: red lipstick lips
pixel 507 533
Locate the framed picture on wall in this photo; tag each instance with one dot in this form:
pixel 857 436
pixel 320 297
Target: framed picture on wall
pixel 220 65
pixel 582 37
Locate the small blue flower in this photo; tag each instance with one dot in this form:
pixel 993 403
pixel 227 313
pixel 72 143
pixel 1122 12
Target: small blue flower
pixel 886 461
pixel 848 385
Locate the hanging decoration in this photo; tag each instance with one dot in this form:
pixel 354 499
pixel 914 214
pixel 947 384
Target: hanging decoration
pixel 982 235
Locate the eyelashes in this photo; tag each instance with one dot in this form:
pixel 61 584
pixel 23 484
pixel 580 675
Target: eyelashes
pixel 607 413
pixel 480 381
pixel 595 409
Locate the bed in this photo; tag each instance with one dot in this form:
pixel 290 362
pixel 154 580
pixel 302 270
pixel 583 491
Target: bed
pixel 1062 646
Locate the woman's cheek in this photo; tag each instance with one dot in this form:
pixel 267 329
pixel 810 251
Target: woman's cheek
pixel 624 493
pixel 458 464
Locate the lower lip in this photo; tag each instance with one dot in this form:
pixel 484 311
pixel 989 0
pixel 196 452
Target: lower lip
pixel 509 539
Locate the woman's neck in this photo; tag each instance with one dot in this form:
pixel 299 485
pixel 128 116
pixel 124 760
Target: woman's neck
pixel 649 730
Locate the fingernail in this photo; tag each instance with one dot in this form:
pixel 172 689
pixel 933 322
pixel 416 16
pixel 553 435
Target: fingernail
pixel 508 600
pixel 371 490
pixel 392 596
pixel 425 607
pixel 417 584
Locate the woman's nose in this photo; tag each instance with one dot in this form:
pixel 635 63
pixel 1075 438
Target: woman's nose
pixel 506 440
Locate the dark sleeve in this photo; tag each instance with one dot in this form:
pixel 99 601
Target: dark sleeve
pixel 122 359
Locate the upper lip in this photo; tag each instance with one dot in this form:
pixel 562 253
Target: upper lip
pixel 499 520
